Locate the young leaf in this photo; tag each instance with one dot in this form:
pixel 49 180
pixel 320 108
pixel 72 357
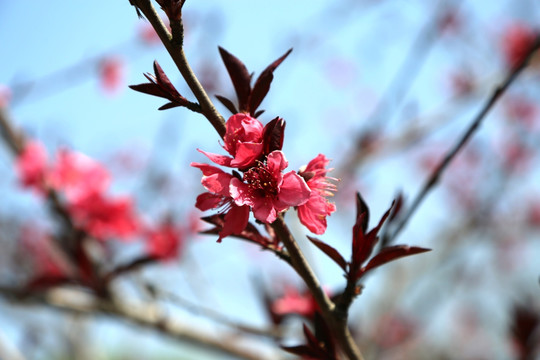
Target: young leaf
pixel 228 104
pixel 239 75
pixel 262 85
pixel 273 134
pixel 362 208
pixel 330 251
pixel 392 253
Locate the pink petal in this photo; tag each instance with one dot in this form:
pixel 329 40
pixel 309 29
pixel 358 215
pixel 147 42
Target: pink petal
pixel 246 154
pixel 276 162
pixel 294 190
pixel 207 201
pixel 206 169
pixel 217 183
pixel 240 192
pixel 216 158
pixel 264 211
pixel 236 221
pixel 313 214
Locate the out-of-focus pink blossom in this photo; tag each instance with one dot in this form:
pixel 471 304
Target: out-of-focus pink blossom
pixel 533 216
pixel 217 182
pixel 148 35
pixel 313 213
pixel 111 74
pixel 293 302
pixel 243 141
pixel 77 175
pixel 522 110
pixel 267 190
pixel 36 244
pixel 31 165
pixel 393 329
pixel 516 43
pixel 165 241
pixel 103 217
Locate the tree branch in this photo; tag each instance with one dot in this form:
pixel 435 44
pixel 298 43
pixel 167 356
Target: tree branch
pixel 147 315
pixel 176 51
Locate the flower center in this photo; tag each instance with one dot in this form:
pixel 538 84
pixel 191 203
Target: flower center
pixel 260 179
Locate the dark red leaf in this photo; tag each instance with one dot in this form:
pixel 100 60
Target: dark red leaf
pixel 169 106
pixel 330 251
pixel 362 208
pixel 258 113
pixel 360 250
pixel 228 104
pixel 301 350
pixel 45 282
pixel 150 89
pixel 240 77
pixel 312 340
pixel 262 85
pixel 397 207
pixel 273 135
pixel 163 80
pixel 392 253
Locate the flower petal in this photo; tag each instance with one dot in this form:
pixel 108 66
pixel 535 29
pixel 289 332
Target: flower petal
pixel 216 158
pixel 246 154
pixel 236 221
pixel 294 191
pixel 240 192
pixel 264 211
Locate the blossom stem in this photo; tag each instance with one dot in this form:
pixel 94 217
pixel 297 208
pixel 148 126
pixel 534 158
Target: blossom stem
pixel 176 51
pixel 336 320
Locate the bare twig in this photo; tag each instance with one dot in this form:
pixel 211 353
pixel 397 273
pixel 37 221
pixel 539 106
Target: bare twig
pixel 176 51
pixel 475 124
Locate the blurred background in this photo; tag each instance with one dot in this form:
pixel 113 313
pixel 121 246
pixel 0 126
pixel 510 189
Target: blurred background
pixel 383 87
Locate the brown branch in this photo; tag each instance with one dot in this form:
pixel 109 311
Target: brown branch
pixel 147 315
pixel 175 49
pixel 336 320
pixel 475 124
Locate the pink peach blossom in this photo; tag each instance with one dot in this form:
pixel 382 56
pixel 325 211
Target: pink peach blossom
pixel 267 190
pixel 313 213
pixel 243 141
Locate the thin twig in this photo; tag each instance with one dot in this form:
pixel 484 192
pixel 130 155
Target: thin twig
pixel 475 124
pixel 176 51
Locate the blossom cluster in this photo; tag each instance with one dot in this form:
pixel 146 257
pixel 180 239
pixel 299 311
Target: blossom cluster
pixel 259 184
pixel 81 184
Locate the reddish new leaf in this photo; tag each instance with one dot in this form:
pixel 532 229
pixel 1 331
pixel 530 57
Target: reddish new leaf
pixel 240 77
pixel 362 208
pixel 392 253
pixel 228 104
pixel 161 86
pixel 262 85
pixel 301 350
pixel 330 251
pixel 273 134
pixel 397 208
pixel 363 244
